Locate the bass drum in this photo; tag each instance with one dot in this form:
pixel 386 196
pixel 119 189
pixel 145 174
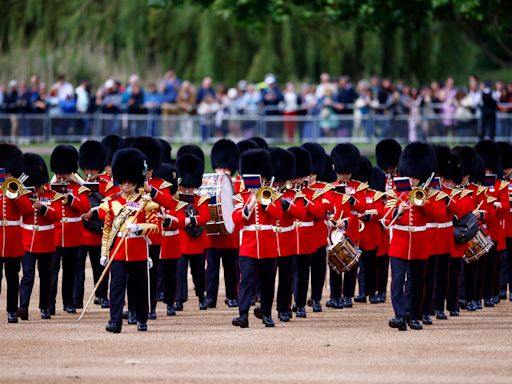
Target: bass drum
pixel 220 190
pixel 342 253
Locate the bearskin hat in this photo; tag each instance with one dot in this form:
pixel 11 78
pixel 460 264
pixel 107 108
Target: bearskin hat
pixel 225 154
pixel 11 159
pixel 318 155
pixel 192 149
pixel 129 140
pixel 260 141
pixel 151 148
pixel 129 164
pixel 35 168
pixel 378 180
pixel 364 170
pixel 166 151
pixel 478 174
pixel 283 164
pixel 64 159
pixel 190 170
pixel 490 152
pixel 91 155
pixel 168 173
pixel 256 162
pixel 388 153
pixel 303 161
pixel 455 170
pixel 345 157
pixel 111 144
pixel 328 175
pixel 467 156
pixel 418 160
pixel 443 157
pixel 506 154
pixel 245 145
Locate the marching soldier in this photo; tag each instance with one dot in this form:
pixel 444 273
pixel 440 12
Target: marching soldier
pixel 38 234
pixel 68 233
pixel 111 144
pixel 130 217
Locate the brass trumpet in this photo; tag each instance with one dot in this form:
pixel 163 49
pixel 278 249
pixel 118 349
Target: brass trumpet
pixel 12 186
pixel 266 195
pixel 418 197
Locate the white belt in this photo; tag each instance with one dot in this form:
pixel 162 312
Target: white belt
pixel 432 225
pixel 448 224
pixel 129 235
pixel 258 227
pixel 171 233
pixel 9 223
pixel 70 219
pixel 304 223
pixel 285 229
pixel 410 228
pixel 31 227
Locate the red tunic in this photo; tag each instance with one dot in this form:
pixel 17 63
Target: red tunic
pixel 11 236
pixel 463 201
pixel 305 230
pixel 501 205
pixel 191 245
pixel 323 191
pixel 439 225
pixel 287 242
pixel 508 218
pixel 371 236
pixel 173 224
pixel 161 195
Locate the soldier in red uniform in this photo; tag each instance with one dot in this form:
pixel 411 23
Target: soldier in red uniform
pixel 13 206
pixel 258 249
pixel 130 217
pixel 408 250
pixel 111 144
pixel 68 233
pixel 38 234
pixel 224 159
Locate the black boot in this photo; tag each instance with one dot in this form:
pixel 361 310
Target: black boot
pixel 283 316
pixel 241 321
pixel 132 319
pixel 12 318
pixel 114 328
pixel 267 320
pixel 398 323
pixel 142 327
pixel 152 314
pixel 22 313
pixel 46 314
pixel 171 310
pixel 427 320
pixel 317 307
pixel 301 312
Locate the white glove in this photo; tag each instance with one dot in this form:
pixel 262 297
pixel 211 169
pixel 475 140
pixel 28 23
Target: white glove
pixel 103 261
pixel 150 262
pixel 132 227
pixel 497 204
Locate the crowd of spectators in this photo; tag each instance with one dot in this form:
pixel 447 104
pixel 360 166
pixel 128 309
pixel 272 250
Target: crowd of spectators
pixel 335 107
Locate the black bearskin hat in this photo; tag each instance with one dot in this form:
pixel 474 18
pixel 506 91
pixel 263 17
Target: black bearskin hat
pixel 260 141
pixel 478 174
pixel 35 168
pixel 388 153
pixel 345 157
pixel 506 154
pixel 225 154
pixel 168 173
pixel 91 155
pixel 455 170
pixel 166 151
pixel 111 144
pixel 11 159
pixel 256 162
pixel 129 164
pixel 318 156
pixel 129 140
pixel 245 145
pixel 467 156
pixel 328 175
pixel 490 152
pixel 283 164
pixel 443 158
pixel 151 148
pixel 192 149
pixel 364 170
pixel 64 159
pixel 303 164
pixel 190 170
pixel 418 160
pixel 378 180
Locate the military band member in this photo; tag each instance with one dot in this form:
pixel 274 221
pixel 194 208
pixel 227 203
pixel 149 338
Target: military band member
pixel 111 144
pixel 130 217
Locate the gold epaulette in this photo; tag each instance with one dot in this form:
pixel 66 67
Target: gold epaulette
pixel 164 185
pixel 203 199
pixel 391 193
pixel 57 196
pixel 320 192
pixel 465 192
pixel 238 198
pixel 432 192
pixel 83 189
pixel 456 191
pixel 345 199
pixel 441 195
pixel 180 205
pixel 503 184
pixel 481 189
pixel 151 206
pixel 242 185
pixel 109 185
pixel 491 199
pixel 362 186
pixel 104 205
pixel 378 195
pixel 24 192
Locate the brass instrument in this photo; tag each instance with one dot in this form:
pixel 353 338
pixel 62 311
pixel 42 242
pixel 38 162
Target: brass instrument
pixel 12 186
pixel 418 197
pixel 361 226
pixel 266 195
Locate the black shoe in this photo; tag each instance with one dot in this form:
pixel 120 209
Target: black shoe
pixel 257 312
pixel 503 294
pixel 152 315
pixel 382 297
pixel 360 299
pixel 478 304
pixel 331 303
pixel 317 307
pixel 440 315
pixel 488 303
pixel 463 304
pixel 347 302
pixel 471 306
pixel 203 304
pixel 211 304
pixel 132 319
pixel 12 318
pixel 398 323
pixel 22 313
pixel 294 307
pixel 231 303
pixel 415 324
pixel 46 314
pixel 374 299
pixel 114 328
pixel 496 300
pixel 160 296
pixel 171 310
pixel 125 314
pixel 267 320
pixel 179 306
pixel 301 312
pixel 283 316
pixel 69 309
pixel 142 327
pixel 309 303
pixel 80 305
pixel 241 321
pixel 426 319
pixel 105 304
pixel 454 313
pixel 96 301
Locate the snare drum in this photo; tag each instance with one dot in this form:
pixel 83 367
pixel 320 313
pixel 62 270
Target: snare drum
pixel 220 190
pixel 342 253
pixel 477 246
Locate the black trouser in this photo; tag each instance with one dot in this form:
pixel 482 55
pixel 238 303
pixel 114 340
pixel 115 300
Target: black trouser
pixel 44 263
pixel 382 274
pixel 266 271
pixel 441 282
pixel 428 289
pixel 169 280
pixel 497 273
pixel 284 288
pixel 452 299
pixel 489 273
pixel 361 279
pixel 301 278
pixel 473 279
pixel 94 252
pixel 154 253
pixel 369 262
pixel 229 257
pixel 318 272
pixel 198 276
pixel 119 272
pixel 335 283
pixel 12 276
pixel 407 286
pixel 69 256
pixel 509 256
